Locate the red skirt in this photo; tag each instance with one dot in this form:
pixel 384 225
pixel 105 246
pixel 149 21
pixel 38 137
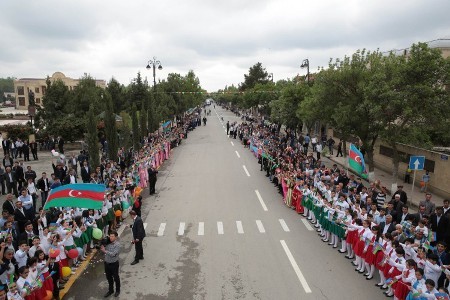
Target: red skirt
pixel 62 263
pixel 369 257
pixel 350 239
pixel 298 203
pixel 378 259
pixel 359 248
pixel 401 289
pixel 394 273
pixel 48 283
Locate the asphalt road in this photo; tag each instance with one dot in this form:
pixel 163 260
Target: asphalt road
pixel 217 229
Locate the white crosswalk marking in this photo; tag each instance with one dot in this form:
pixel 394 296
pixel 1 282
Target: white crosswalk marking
pixel 219 227
pixel 181 228
pixel 284 225
pixel 161 229
pixel 240 229
pixel 201 228
pixel 260 226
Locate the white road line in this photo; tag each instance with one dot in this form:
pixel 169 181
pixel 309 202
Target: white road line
pixel 299 273
pixel 240 229
pixel 181 228
pixel 201 228
pixel 161 229
pixel 145 225
pixel 237 153
pixel 261 200
pixel 284 225
pixel 246 171
pixel 219 227
pixel 307 225
pixel 232 144
pixel 260 226
pixel 225 131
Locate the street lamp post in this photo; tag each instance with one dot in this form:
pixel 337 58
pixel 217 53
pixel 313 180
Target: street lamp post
pixel 305 64
pixel 154 64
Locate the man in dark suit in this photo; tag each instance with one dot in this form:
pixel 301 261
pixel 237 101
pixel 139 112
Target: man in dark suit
pixel 60 145
pixel 20 216
pixel 138 236
pixel 9 204
pixel 5 146
pixel 388 226
pixel 420 214
pixel 152 179
pixel 20 175
pixel 391 211
pixel 403 216
pixel 11 181
pixel 86 172
pixel 447 207
pixel 439 224
pixel 43 185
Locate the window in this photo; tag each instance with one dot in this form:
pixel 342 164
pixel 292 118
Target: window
pixel 44 89
pixel 38 101
pixel 20 90
pixel 21 101
pixel 36 90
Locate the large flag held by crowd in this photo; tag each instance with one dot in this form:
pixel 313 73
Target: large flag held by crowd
pixel 83 195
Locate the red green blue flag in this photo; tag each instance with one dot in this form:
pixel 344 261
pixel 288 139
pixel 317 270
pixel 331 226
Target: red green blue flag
pixel 356 161
pixel 83 195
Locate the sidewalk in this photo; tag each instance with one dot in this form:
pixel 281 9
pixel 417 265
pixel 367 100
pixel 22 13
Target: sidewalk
pixel 414 195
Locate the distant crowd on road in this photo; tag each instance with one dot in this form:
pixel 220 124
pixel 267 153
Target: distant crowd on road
pixel 40 248
pixel 408 250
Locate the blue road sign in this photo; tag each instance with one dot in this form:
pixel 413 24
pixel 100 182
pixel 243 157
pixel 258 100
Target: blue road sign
pixel 416 162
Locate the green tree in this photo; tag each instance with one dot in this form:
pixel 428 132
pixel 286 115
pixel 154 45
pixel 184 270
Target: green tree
pixel 256 74
pixel 143 118
pixel 110 127
pixel 284 109
pixel 6 86
pixel 137 91
pixel 92 137
pixel 414 102
pixel 135 128
pixel 84 94
pixel 117 92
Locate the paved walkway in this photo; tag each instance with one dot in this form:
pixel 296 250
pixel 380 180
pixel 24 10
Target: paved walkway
pixel 414 194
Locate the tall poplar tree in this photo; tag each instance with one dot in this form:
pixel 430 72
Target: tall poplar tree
pixel 110 127
pixel 92 137
pixel 135 127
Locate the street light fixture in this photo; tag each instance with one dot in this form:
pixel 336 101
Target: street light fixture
pixel 270 76
pixel 154 64
pixel 305 64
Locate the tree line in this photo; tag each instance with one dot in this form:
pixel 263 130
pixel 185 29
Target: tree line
pixel 89 112
pixel 369 95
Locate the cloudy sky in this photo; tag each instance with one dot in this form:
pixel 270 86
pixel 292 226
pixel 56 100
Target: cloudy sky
pixel 219 40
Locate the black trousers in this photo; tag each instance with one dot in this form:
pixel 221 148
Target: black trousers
pixel 152 182
pixel 112 275
pixel 139 250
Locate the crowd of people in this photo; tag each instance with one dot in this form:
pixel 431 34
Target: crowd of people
pixel 41 248
pixel 405 251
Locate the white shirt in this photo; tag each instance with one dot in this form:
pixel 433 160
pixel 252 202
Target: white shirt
pixel 21 258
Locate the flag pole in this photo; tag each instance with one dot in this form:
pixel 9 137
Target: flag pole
pixel 348 158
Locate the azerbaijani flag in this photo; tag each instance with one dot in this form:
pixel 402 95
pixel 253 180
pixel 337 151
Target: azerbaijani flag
pixel 83 195
pixel 356 161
